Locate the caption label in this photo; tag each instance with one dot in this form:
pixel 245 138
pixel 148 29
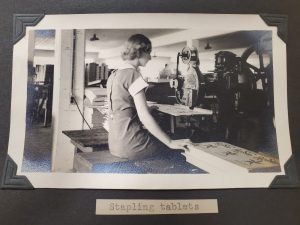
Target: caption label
pixel 146 207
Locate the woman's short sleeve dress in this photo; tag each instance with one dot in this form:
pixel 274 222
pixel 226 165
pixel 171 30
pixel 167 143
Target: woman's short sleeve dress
pixel 127 138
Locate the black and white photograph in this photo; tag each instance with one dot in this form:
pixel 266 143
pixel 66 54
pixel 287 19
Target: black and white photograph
pixel 140 104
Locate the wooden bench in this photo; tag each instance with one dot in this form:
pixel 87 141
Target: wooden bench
pixel 91 149
pixel 104 162
pixel 88 140
pixel 92 155
pixel 86 161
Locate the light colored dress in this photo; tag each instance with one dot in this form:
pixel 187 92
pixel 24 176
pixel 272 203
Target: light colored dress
pixel 127 138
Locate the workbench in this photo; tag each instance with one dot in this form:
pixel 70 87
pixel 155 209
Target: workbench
pixel 177 110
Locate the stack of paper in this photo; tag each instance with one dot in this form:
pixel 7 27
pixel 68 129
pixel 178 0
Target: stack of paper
pixel 220 157
pixel 100 117
pixel 96 99
pixel 96 96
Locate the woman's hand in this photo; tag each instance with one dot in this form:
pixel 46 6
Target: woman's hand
pixel 152 108
pixel 180 144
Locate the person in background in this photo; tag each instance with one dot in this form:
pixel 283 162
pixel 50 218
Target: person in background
pixel 129 112
pixel 166 73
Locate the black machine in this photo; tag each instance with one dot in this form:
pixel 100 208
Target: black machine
pixel 235 89
pixel 233 78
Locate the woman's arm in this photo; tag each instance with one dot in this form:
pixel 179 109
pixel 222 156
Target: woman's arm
pixel 149 122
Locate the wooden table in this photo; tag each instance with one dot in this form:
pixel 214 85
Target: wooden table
pixel 158 80
pixel 179 110
pixel 221 157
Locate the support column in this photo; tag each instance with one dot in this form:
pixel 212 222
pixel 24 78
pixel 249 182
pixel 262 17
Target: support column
pixel 65 115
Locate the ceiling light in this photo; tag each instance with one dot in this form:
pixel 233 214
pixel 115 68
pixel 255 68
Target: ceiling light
pixel 207 47
pixel 94 38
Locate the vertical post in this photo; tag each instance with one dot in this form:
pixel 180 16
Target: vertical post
pixel 65 115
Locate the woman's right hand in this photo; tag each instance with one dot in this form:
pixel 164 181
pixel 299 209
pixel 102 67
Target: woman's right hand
pixel 180 144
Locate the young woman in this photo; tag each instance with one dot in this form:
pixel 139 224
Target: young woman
pixel 128 110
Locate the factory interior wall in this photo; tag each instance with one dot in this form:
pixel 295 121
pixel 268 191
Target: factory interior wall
pixel 42 60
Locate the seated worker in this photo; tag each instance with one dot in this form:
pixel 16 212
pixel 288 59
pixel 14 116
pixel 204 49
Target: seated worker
pixel 128 109
pixel 166 73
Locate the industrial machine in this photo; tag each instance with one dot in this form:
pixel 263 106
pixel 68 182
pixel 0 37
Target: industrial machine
pixel 235 89
pixel 189 87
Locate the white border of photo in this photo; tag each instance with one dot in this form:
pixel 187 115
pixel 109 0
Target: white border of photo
pixel 212 22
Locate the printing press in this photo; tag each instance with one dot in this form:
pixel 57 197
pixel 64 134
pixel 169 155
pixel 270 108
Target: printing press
pixel 239 94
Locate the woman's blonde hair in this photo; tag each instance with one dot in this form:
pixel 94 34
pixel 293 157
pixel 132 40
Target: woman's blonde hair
pixel 135 46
